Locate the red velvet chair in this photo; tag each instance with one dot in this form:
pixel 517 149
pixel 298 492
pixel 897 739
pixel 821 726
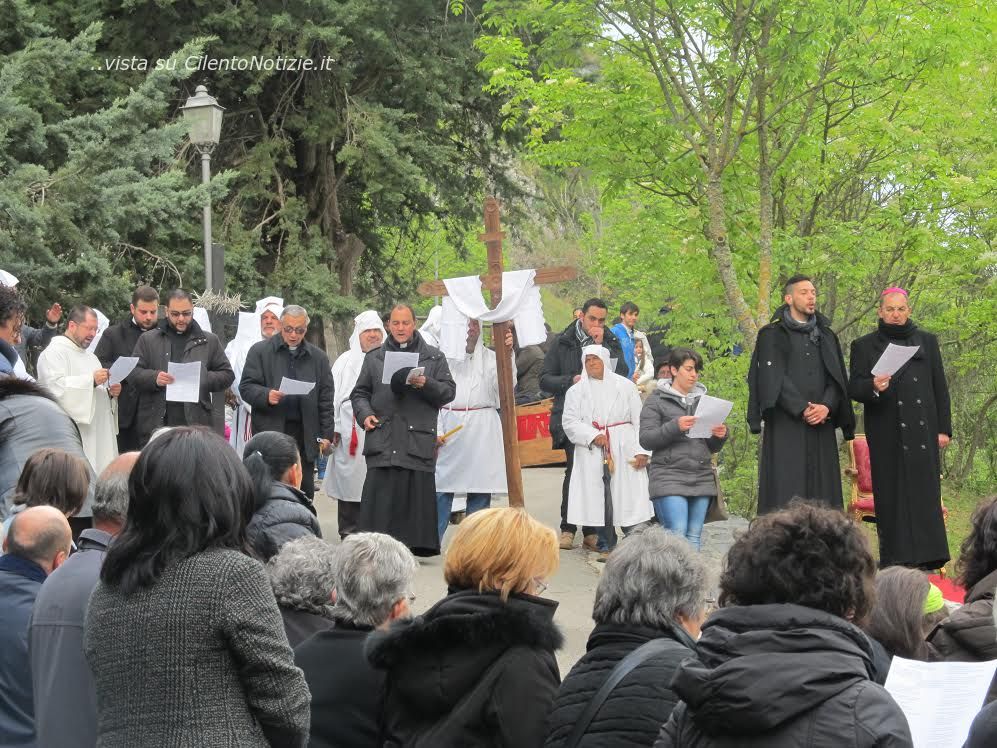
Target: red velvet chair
pixel 862 505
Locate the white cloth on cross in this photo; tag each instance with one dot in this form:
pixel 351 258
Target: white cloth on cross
pixel 520 304
pixel 7 279
pixel 347 469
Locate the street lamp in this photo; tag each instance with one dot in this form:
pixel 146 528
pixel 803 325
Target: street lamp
pixel 204 116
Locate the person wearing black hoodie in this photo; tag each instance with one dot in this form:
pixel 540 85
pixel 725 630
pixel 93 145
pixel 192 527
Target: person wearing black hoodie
pixel 781 663
pixel 478 668
pixel 653 589
pixel 282 512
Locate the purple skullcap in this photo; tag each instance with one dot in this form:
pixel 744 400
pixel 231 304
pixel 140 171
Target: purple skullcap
pixel 892 290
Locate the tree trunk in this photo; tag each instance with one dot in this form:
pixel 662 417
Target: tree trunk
pixel 723 259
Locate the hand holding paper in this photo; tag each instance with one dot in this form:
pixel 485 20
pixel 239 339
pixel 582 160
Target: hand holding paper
pixel 894 357
pixel 121 368
pixel 711 411
pixel 395 360
pixel 186 386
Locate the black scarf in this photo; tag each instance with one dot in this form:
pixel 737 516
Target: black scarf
pixel 810 326
pixel 584 338
pixel 897 332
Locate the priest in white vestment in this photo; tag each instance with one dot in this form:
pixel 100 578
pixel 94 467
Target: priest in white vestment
pixel 472 460
pixel 78 382
pixel 347 468
pixel 253 327
pixel 602 416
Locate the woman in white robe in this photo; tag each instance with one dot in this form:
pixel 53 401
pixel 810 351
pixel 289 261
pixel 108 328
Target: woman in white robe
pixel 605 410
pixel 347 469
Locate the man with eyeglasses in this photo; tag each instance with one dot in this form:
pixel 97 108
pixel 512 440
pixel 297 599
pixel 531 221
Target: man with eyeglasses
pixel 180 339
pixel 309 419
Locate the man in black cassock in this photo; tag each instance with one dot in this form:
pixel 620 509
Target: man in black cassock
pixel 907 422
pixel 797 386
pixel 399 493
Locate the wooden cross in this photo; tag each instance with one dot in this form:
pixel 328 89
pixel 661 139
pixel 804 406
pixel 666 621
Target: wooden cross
pixel 492 280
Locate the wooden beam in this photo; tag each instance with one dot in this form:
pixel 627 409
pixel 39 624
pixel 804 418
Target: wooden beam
pixel 491 282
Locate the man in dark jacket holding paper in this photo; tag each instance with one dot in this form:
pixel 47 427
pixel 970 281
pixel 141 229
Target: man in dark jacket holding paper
pixel 908 421
pixel 399 417
pixel 798 386
pixel 307 418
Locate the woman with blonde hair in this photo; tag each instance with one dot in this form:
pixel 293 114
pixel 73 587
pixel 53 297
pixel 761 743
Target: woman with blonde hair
pixel 478 668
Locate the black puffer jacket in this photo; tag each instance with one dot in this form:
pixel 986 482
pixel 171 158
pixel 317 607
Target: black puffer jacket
pixel 638 706
pixel 969 634
pixel 406 436
pixel 782 675
pixel 561 364
pixel 472 671
pixel 286 516
pixel 679 466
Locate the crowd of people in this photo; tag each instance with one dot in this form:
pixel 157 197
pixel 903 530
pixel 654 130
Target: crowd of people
pixel 164 588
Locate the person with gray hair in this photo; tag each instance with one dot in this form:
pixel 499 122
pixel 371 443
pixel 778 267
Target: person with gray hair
pixel 373 588
pixel 303 576
pixel 64 693
pixel 308 418
pixel 652 597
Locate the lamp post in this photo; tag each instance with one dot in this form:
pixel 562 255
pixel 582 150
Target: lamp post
pixel 204 116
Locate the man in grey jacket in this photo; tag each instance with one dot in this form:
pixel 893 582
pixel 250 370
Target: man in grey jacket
pixel 64 694
pixel 179 339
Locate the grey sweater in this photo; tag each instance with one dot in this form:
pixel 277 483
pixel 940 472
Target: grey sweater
pixel 198 659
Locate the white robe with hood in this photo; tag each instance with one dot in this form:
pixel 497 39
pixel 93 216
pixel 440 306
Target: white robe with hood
pixel 345 473
pixel 430 330
pixel 473 459
pixel 611 400
pixel 247 334
pixel 66 370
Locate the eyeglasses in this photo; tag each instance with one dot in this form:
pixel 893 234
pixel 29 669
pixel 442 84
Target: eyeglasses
pixel 178 315
pixel 295 330
pixel 539 586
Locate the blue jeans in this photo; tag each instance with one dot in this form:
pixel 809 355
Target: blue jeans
pixel 444 505
pixel 682 515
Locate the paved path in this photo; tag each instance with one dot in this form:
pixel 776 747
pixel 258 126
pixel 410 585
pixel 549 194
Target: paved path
pixel 573 586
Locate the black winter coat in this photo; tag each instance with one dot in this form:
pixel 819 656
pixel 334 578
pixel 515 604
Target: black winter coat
pixel 969 634
pixel 766 377
pixel 983 733
pixel 267 363
pixel 347 693
pixel 287 515
pixel 119 340
pixel 633 713
pixel 406 435
pixel 471 671
pixel 562 364
pixel 902 425
pixel 154 350
pixel 782 675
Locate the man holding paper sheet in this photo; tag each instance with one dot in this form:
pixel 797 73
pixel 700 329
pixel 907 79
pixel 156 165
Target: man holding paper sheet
pixel 908 421
pixel 288 384
pixel 798 386
pixel 400 418
pixel 177 339
pixel 119 340
pixel 80 384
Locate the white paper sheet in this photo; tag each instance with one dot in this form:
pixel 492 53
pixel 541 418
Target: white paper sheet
pixel 711 411
pixel 395 360
pixel 939 699
pixel 120 369
pixel 295 386
pixel 416 371
pixel 186 387
pixel 893 358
